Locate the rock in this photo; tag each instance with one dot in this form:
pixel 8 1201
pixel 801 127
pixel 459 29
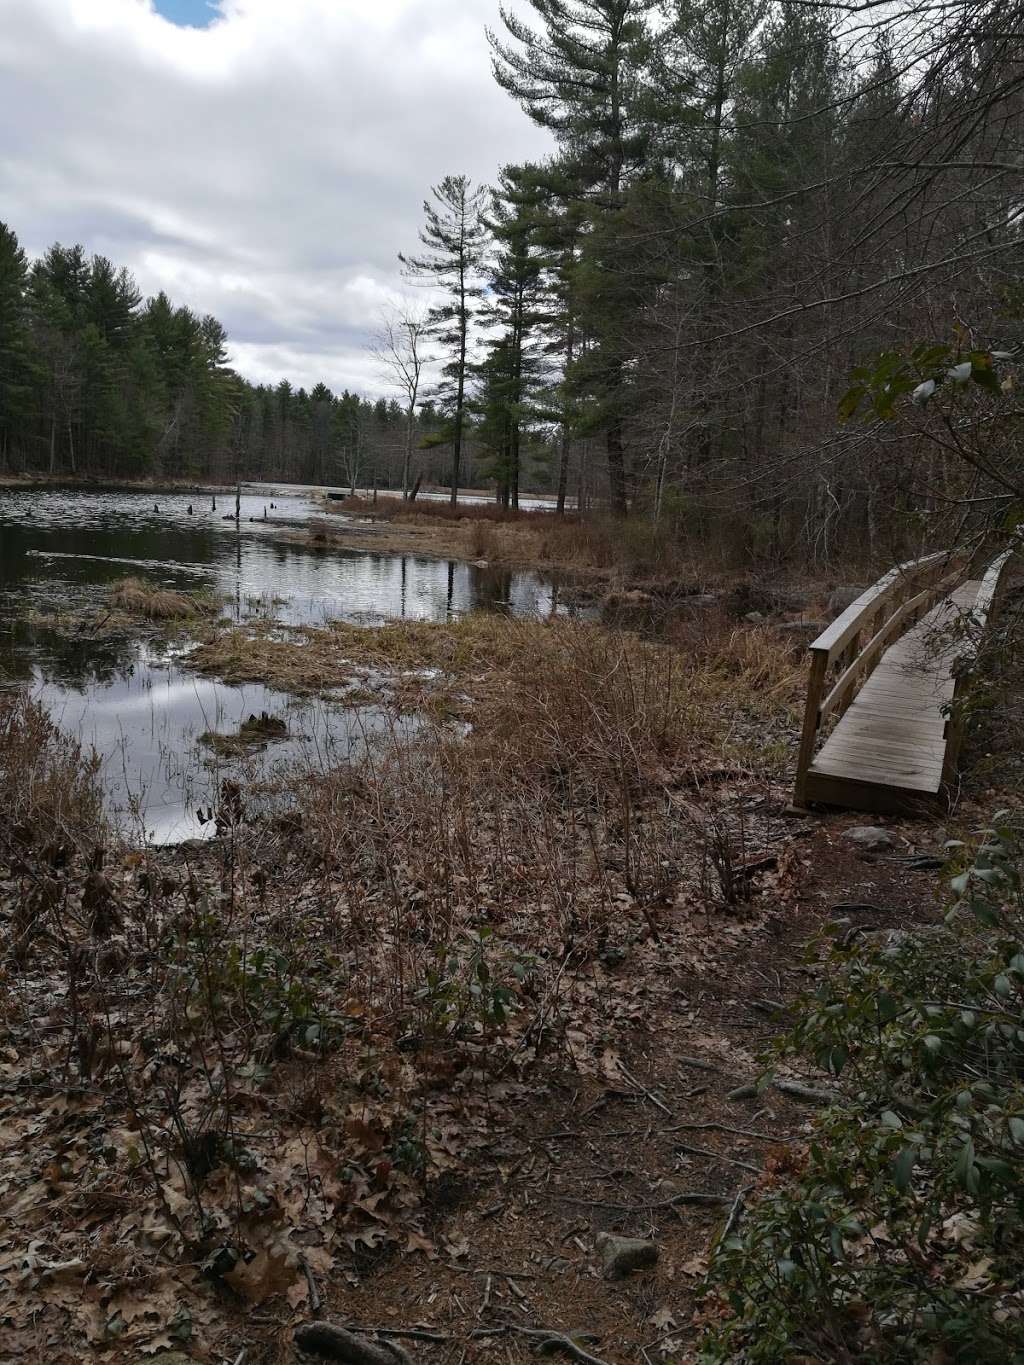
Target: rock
pixel 754 617
pixel 870 838
pixel 811 628
pixel 842 597
pixel 620 1256
pixel 193 846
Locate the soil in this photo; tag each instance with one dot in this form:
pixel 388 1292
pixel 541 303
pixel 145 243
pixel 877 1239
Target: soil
pixel 509 1236
pixel 612 1139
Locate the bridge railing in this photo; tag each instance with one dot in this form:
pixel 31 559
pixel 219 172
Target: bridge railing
pixel 979 618
pixel 844 655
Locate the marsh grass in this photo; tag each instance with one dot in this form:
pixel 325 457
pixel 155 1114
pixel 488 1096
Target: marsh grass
pixel 137 597
pixel 50 783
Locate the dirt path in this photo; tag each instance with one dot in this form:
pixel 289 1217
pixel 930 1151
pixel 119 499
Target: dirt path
pixel 618 1152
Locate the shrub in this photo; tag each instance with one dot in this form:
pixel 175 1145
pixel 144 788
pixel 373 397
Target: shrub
pixel 900 1237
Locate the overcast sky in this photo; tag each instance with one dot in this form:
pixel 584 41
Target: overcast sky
pixel 262 160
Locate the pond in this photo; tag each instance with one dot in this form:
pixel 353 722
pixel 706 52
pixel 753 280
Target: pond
pixel 137 703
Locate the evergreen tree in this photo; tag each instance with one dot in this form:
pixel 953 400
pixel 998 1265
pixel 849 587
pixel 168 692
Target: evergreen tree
pixel 15 343
pixel 583 75
pixel 516 306
pixel 455 239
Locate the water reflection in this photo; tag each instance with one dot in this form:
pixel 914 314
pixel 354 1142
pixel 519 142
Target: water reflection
pixel 137 704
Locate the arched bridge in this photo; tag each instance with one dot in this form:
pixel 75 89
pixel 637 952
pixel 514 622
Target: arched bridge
pixel 882 730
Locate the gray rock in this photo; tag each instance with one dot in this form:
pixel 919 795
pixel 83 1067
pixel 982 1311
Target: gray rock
pixel 809 627
pixel 870 838
pixel 620 1256
pixel 754 617
pixel 842 597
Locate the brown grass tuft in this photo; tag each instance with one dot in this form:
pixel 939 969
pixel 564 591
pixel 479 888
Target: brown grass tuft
pixel 137 597
pixel 50 784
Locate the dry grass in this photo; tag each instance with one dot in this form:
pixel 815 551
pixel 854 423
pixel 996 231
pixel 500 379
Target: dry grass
pixel 136 597
pixel 634 549
pixel 50 785
pixel 552 696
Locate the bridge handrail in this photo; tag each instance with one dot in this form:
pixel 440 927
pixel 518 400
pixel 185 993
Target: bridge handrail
pixel 833 639
pixel 898 599
pixel 986 604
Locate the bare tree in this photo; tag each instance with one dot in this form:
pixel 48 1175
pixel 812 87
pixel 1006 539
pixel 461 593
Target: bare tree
pixel 399 346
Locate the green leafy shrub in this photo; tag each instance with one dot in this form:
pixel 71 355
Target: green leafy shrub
pixel 897 1236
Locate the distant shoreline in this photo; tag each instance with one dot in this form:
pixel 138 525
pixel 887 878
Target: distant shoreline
pixel 13 482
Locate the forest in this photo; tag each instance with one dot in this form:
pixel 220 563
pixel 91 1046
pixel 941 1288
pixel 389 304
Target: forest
pixel 747 202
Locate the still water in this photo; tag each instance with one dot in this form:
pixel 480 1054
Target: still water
pixel 137 703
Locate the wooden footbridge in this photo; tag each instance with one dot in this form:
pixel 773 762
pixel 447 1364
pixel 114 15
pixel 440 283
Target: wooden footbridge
pixel 882 729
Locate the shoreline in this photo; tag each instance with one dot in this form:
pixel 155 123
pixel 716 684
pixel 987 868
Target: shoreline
pixel 85 483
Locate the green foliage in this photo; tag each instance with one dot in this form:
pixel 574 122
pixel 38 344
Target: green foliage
pixel 877 388
pixel 258 991
pixel 474 982
pixel 897 1236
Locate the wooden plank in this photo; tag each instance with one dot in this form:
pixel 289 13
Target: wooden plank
pixel 845 627
pixel 840 757
pixel 871 652
pixel 870 740
pixel 922 768
pixel 866 796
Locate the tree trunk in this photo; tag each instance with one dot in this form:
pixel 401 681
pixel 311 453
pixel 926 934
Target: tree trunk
pixel 616 466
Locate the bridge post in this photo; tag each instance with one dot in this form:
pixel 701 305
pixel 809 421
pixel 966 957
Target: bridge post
pixel 815 692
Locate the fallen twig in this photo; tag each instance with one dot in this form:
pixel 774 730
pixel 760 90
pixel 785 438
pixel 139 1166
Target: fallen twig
pixel 813 1094
pixel 687 1197
pixel 725 1128
pixel 718 1156
pixel 314 1292
pixel 735 1214
pixel 644 1091
pixel 338 1343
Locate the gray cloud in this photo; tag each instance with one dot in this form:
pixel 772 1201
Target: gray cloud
pixel 266 169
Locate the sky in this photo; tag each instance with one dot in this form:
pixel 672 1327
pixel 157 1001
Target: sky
pixel 261 160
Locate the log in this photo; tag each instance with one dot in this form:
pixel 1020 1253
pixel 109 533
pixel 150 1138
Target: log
pixel 337 1343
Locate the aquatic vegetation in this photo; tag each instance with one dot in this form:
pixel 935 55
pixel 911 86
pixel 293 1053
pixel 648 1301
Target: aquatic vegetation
pixel 138 597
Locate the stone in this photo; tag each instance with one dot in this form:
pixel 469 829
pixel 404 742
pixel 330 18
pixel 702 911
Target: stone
pixel 754 617
pixel 801 627
pixel 842 597
pixel 620 1256
pixel 870 838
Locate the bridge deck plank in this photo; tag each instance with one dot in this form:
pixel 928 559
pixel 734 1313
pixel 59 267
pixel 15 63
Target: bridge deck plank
pixel 892 740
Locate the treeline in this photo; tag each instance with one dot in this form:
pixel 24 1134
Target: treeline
pixel 748 200
pixel 96 381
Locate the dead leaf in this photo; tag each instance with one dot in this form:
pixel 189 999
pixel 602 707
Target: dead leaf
pixel 269 1272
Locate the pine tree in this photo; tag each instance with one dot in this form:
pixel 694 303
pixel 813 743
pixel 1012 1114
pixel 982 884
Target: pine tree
pixel 15 342
pixel 455 239
pixel 516 307
pixel 583 75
